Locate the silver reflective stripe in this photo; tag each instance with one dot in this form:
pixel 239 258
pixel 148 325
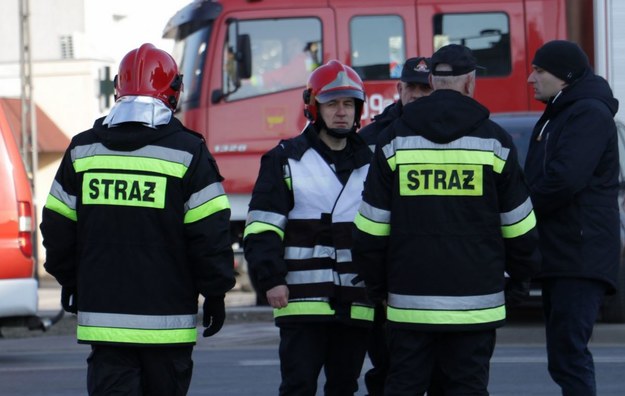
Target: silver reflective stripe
pixel 157 152
pixel 312 276
pixel 286 171
pixel 343 255
pixel 57 192
pixel 465 143
pixel 389 149
pixel 309 299
pixel 517 214
pixel 446 302
pixel 272 218
pixel 156 322
pixel 374 214
pixel 303 253
pixel 346 280
pixel 204 195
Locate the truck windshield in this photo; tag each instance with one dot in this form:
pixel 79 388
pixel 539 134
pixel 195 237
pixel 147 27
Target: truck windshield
pixel 190 54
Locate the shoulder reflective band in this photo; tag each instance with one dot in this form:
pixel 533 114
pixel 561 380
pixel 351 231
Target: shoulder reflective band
pixel 124 190
pixel 304 308
pixel 156 159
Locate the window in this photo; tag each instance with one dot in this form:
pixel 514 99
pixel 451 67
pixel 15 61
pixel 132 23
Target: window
pixel 487 34
pixel 377 46
pixel 284 53
pixel 67 47
pixel 190 54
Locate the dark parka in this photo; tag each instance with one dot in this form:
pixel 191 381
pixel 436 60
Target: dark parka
pixel 572 168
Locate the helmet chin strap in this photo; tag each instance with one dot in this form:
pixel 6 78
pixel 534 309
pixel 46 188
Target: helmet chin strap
pixel 340 133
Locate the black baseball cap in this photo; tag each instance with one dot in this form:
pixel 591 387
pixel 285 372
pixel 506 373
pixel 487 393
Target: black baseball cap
pixel 416 70
pixel 459 57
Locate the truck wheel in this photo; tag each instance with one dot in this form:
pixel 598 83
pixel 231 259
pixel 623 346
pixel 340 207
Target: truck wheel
pixel 613 310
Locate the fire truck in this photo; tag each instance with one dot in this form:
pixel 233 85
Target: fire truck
pixel 246 62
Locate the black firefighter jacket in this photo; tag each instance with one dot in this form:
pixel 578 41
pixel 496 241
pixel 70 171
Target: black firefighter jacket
pixel 445 213
pixel 572 168
pixel 299 228
pixel 137 221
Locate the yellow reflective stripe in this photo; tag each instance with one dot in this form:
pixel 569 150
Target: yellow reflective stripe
pixel 288 182
pixel 361 312
pixel 128 163
pixel 371 227
pixel 136 336
pixel 450 157
pixel 56 205
pixel 206 209
pixel 257 228
pixel 520 228
pixel 468 317
pixel 124 190
pixel 304 308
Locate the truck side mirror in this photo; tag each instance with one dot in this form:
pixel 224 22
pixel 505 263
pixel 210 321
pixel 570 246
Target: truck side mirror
pixel 244 56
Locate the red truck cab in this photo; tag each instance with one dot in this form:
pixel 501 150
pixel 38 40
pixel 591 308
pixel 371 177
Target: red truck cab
pixel 246 62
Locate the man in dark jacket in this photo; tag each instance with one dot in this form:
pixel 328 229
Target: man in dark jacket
pixel 572 168
pixel 445 214
pixel 136 224
pixel 413 84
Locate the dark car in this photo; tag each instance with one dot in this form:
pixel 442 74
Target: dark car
pixel 519 126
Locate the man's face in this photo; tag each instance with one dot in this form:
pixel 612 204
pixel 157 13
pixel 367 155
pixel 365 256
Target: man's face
pixel 338 113
pixel 409 92
pixel 546 85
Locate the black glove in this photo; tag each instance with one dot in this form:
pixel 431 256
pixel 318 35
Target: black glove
pixel 214 315
pixel 516 292
pixel 69 299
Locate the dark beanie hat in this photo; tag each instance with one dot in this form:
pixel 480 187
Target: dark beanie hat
pixel 564 59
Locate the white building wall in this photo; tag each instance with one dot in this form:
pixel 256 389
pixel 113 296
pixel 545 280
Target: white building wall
pixel 68 89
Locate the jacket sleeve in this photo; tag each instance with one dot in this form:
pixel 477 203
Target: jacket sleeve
pixel 373 225
pixel 207 226
pixel 574 156
pixel 59 224
pixel 518 222
pixel 265 227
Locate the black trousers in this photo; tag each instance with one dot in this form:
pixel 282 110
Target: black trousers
pixel 571 307
pixel 306 348
pixel 139 371
pixel 461 361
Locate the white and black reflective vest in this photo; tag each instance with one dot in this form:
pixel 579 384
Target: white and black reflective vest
pixel 316 232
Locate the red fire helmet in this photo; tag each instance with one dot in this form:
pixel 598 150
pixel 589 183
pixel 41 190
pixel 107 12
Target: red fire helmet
pixel 330 81
pixel 149 71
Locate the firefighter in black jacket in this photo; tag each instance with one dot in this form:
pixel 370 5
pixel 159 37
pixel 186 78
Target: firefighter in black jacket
pixel 136 224
pixel 445 214
pixel 298 238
